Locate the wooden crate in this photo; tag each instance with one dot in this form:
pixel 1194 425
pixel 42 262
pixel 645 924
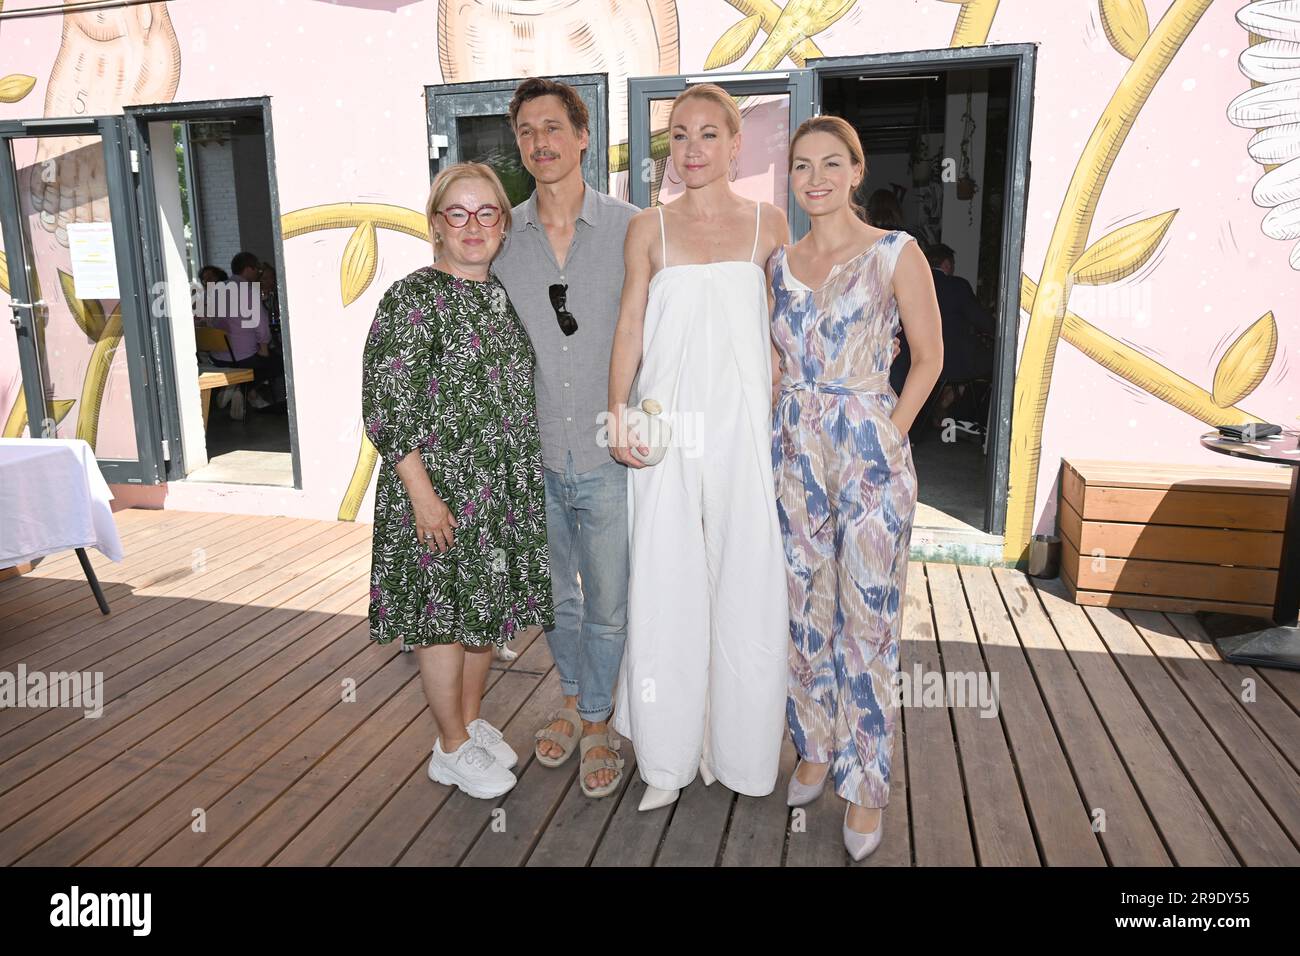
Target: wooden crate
pixel 1172 537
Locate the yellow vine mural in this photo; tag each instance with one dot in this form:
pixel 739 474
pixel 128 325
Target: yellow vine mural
pixel 1065 254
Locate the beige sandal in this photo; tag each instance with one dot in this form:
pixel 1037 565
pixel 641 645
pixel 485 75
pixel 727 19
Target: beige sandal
pixel 568 742
pixel 592 764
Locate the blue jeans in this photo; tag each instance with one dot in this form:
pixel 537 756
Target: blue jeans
pixel 587 537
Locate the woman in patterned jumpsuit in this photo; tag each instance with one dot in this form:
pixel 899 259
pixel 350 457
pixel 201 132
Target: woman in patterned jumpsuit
pixel 846 488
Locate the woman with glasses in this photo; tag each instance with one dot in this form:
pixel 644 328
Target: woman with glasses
pixel 459 552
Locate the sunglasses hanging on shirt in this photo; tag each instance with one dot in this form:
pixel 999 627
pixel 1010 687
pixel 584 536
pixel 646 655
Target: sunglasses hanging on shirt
pixel 559 296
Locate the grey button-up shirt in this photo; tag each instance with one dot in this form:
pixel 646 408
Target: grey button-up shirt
pixel 572 377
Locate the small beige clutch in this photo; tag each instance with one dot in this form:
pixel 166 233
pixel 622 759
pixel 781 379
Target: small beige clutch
pixel 645 418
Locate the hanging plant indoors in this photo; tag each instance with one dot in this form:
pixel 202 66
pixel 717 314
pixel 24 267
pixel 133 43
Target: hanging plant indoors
pixel 966 185
pixel 922 163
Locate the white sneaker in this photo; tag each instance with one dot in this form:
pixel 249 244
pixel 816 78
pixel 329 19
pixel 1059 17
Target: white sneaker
pixel 237 406
pixel 223 396
pixel 258 402
pixel 492 740
pixel 471 768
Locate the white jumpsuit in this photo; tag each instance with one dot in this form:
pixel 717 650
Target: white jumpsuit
pixel 704 670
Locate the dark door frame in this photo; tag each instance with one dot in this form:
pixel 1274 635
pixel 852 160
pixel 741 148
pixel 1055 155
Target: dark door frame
pixel 148 467
pixel 1020 59
pixel 138 119
pixel 444 102
pixel 797 84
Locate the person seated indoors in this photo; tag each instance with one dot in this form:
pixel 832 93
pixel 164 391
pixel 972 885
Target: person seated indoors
pixel 209 276
pixel 243 318
pixel 968 332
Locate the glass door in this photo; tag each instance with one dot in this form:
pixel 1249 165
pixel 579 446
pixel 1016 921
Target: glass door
pixel 772 105
pixel 469 122
pixel 76 294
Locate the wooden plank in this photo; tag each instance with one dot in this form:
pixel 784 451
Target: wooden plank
pixel 181 652
pixel 379 698
pixel 1285 682
pixel 527 812
pixel 197 686
pixel 574 833
pixel 632 837
pixel 75 620
pixel 385 837
pixel 1062 825
pixel 176 611
pixel 1268 709
pixel 206 767
pixel 1242 817
pixel 1175 579
pixel 135 528
pixel 91 774
pixel 1000 824
pixel 1151 602
pixel 279 822
pixel 72 596
pixel 1262 764
pixel 1261 512
pixel 349 655
pixel 940 829
pixel 1189 834
pixel 456 826
pixel 41 743
pixel 1190 584
pixel 309 552
pixel 1262 549
pixel 694 836
pixel 137 542
pixel 15 570
pixel 1243 478
pixel 757 833
pixel 366 792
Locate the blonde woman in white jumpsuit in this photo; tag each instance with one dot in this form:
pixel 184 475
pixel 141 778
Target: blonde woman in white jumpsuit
pixel 702 684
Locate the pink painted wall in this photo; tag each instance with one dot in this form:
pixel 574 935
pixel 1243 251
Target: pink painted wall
pixel 346 83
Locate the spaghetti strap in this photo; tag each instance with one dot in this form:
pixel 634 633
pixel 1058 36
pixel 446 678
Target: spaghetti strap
pixel 663 238
pixel 758 211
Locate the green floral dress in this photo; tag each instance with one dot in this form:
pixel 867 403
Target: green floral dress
pixel 448 371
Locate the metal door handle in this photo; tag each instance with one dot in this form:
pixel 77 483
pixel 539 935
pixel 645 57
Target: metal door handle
pixel 24 305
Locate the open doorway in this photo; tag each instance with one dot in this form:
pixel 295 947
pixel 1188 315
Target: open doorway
pixel 936 143
pixel 946 135
pixel 215 271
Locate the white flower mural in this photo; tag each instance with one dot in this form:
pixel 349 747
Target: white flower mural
pixel 1272 107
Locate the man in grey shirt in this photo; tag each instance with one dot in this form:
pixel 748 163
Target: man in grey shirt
pixel 562 266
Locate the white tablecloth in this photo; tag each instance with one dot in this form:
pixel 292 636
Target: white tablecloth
pixel 53 498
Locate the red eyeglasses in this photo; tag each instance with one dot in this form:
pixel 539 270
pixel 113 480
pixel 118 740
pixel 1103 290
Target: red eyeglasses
pixel 458 216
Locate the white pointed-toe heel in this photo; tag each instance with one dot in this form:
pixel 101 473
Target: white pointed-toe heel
pixel 862 845
pixel 801 794
pixel 655 798
pixel 706 774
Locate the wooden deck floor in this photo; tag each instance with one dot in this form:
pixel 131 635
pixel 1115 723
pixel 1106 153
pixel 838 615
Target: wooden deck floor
pixel 1121 738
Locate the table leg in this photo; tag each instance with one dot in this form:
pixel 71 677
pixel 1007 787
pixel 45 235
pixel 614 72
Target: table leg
pixel 1240 639
pixel 207 403
pixel 94 581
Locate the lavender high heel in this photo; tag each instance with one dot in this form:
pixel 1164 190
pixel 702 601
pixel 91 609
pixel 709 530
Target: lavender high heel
pixel 801 794
pixel 861 845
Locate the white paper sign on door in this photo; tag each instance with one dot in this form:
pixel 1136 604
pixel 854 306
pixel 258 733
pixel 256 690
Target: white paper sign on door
pixel 94 267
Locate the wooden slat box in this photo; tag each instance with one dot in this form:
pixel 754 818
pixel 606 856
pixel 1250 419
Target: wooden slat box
pixel 1172 537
